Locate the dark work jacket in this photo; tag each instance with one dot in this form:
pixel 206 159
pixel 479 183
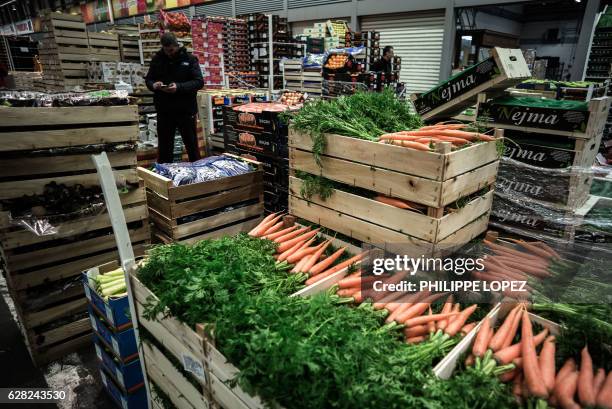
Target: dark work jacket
pixel 382 65
pixel 183 70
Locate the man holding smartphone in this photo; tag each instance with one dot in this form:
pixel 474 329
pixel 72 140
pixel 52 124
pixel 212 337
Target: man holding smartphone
pixel 175 77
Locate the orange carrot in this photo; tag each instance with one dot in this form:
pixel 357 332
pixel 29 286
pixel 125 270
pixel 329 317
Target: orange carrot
pixel 345 263
pixel 546 247
pixel 322 265
pixel 261 223
pixel 417 309
pixel 415 340
pixel 431 325
pixel 502 332
pixel 404 303
pixel 299 267
pixel 290 235
pixel 598 380
pixel 517 386
pixel 273 229
pixel 565 390
pixel 415 331
pixel 604 398
pixel 292 250
pixel 482 338
pixel 456 324
pixel 498 247
pixel 286 245
pixel 424 319
pixel 547 363
pixel 355 281
pixel 467 328
pixel 448 306
pixel 509 376
pixel 304 251
pixel 586 394
pixel 511 332
pixel 415 145
pixel 358 297
pixel 262 227
pixel 469 361
pixel 347 292
pixel 506 355
pixel 315 257
pixel 280 233
pixel 532 249
pixel 531 368
pixel 391 201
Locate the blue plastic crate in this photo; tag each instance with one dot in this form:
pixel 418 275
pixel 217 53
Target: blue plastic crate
pixel 134 400
pixel 123 343
pixel 127 375
pixel 116 311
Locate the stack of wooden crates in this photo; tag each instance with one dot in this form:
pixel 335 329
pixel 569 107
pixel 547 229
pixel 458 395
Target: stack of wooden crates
pixel 64 52
pixel 45 146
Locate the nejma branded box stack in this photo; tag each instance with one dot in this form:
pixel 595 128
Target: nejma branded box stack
pixel 545 176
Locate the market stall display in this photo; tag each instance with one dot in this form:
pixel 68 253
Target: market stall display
pixel 53 218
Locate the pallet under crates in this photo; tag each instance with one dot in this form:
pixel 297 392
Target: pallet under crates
pixel 43 146
pixel 435 180
pixel 194 212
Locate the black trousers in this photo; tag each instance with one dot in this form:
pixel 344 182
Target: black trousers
pixel 167 124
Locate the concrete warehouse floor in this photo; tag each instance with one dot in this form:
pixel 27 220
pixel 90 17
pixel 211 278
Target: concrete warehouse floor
pixel 76 373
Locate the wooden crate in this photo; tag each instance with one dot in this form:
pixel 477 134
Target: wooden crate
pixel 168 204
pixel 504 69
pixel 380 224
pixel 103 47
pixel 39 268
pixel 433 179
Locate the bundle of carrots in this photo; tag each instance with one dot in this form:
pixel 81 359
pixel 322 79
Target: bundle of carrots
pixel 425 137
pixel 412 310
pixel 297 249
pixel 399 203
pixel 530 263
pixel 533 376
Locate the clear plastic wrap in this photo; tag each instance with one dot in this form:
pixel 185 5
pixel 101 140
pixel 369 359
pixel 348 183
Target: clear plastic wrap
pixel 64 99
pixel 53 211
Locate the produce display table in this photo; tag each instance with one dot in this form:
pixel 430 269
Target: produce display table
pixel 45 151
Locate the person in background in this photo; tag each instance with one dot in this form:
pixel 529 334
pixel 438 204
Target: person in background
pixel 384 63
pixel 175 77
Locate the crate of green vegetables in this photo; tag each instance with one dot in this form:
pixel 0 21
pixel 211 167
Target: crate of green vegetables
pixel 105 289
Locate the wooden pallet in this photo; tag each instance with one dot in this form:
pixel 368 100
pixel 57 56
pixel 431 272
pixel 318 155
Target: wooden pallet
pixel 168 204
pixel 504 69
pixel 103 47
pixel 39 268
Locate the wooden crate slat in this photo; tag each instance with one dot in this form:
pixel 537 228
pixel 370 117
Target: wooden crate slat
pixel 17 117
pixel 56 335
pixel 356 228
pixel 18 238
pixel 464 235
pixel 467 159
pixel 408 222
pixel 217 220
pixel 16 262
pixel 57 32
pixel 25 166
pixel 64 17
pixel 41 302
pixel 70 25
pixel 69 41
pixel 187 191
pixel 469 183
pixel 155 182
pixel 15 189
pixel 35 319
pixel 176 337
pixel 453 222
pixel 225 396
pixel 57 351
pixel 182 393
pixel 70 269
pixel 426 164
pixel 226 231
pixel 414 188
pixel 219 200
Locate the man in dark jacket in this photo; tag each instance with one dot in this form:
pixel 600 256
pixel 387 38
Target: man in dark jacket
pixel 384 63
pixel 175 78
